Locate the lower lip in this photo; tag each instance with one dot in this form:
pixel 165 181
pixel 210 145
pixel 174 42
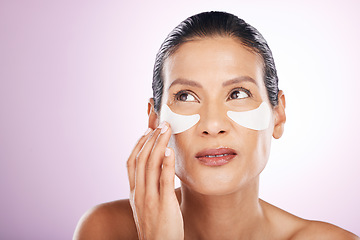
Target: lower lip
pixel 216 161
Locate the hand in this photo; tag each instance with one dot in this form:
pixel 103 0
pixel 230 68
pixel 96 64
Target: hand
pixel 151 174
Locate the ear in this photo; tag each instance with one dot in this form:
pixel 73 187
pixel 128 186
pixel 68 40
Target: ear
pixel 153 116
pixel 280 116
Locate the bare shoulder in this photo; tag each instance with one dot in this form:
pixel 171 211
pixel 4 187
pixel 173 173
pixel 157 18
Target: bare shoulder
pixel 285 225
pixel 322 230
pixel 112 220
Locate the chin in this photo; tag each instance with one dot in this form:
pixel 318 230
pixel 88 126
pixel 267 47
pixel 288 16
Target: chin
pixel 207 183
pixel 219 181
pixel 214 190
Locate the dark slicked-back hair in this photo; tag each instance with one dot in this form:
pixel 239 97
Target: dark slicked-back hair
pixel 216 24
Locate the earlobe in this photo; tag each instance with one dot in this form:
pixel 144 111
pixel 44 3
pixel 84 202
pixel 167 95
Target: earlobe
pixel 153 116
pixel 280 116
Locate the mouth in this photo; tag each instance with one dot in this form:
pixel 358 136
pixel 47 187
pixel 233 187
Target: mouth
pixel 216 157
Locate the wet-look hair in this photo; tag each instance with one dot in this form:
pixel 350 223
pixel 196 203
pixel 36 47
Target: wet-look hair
pixel 216 24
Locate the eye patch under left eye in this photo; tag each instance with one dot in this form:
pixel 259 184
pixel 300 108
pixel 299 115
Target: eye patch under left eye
pixel 257 119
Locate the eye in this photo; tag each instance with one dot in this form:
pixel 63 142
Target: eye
pixel 185 96
pixel 239 93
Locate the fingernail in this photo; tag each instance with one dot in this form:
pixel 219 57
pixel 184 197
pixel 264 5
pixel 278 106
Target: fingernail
pixel 167 152
pixel 161 125
pixel 163 129
pixel 147 131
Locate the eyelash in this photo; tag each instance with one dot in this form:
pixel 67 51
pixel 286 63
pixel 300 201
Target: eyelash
pixel 247 91
pixel 178 94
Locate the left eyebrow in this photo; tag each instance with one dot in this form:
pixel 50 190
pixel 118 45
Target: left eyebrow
pixel 239 80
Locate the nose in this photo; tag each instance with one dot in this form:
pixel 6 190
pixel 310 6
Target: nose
pixel 213 121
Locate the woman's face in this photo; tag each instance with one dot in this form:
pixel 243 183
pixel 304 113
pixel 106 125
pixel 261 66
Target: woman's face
pixel 209 77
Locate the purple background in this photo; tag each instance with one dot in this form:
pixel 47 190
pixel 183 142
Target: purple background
pixel 75 77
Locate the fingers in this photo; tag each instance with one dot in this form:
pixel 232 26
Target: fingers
pixel 141 160
pixel 151 170
pixel 167 176
pixel 153 166
pixel 146 164
pixel 131 163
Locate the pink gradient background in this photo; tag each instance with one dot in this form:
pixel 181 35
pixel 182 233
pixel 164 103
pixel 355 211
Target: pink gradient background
pixel 75 77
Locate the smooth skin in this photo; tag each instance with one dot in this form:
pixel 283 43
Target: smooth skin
pixel 208 76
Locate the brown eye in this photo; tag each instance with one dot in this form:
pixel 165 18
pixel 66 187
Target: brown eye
pixel 238 94
pixel 185 97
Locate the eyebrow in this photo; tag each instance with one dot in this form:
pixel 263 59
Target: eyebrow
pixel 239 80
pixel 183 81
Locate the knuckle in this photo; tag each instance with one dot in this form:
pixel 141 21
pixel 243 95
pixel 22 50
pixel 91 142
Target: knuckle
pixel 138 157
pixel 164 181
pixel 137 203
pixel 159 148
pixel 129 163
pixel 160 142
pixel 150 198
pixel 149 203
pixel 151 164
pixel 168 164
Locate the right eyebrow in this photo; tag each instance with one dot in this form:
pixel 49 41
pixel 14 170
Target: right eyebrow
pixel 183 81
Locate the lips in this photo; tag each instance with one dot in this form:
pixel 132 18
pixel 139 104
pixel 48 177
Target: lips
pixel 216 157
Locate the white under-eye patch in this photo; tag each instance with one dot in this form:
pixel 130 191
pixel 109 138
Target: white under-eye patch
pixel 257 119
pixel 179 123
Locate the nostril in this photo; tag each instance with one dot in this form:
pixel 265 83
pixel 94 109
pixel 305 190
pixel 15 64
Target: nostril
pixel 207 133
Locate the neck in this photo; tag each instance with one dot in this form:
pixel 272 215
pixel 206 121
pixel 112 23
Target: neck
pixel 232 216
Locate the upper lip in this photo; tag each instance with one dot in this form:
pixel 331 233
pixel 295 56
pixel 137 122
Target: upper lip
pixel 217 151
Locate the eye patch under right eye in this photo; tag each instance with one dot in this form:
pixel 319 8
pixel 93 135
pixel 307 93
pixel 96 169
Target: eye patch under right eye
pixel 179 123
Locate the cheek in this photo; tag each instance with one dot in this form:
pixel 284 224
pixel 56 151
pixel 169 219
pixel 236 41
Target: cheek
pixel 258 150
pixel 181 145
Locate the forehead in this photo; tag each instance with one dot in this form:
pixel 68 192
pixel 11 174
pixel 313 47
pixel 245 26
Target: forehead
pixel 212 60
